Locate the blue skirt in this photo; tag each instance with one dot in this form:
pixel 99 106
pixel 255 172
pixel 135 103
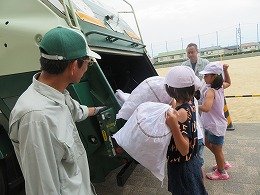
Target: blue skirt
pixel 186 178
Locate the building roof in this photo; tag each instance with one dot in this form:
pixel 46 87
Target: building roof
pixel 212 48
pixel 170 53
pixel 250 44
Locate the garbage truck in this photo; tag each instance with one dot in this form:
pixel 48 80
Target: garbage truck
pixel 123 65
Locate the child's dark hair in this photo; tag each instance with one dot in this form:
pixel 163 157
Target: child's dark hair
pixel 218 82
pixel 180 94
pixel 197 94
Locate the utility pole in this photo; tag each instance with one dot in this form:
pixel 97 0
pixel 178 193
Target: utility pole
pixel 257 33
pixel 166 46
pixel 257 37
pixel 217 46
pixel 181 43
pixel 239 35
pixel 236 40
pixel 217 37
pixel 152 49
pixel 199 41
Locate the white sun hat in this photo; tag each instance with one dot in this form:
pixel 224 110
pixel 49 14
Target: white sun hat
pixel 213 68
pixel 182 76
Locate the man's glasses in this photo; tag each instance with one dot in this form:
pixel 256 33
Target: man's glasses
pixel 87 60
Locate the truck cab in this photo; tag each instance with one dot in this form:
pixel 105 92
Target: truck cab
pixel 123 65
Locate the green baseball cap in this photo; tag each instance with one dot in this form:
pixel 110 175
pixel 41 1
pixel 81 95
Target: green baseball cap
pixel 65 44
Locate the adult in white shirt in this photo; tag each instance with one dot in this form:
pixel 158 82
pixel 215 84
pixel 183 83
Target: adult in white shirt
pixel 194 61
pixel 42 123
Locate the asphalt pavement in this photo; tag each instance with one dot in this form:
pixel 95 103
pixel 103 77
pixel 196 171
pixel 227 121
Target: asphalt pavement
pixel 241 149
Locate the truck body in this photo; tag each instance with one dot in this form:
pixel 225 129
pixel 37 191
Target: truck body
pixel 123 65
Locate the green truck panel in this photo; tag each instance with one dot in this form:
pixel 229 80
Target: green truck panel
pixel 123 65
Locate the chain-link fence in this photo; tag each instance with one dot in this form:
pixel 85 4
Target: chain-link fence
pixel 230 36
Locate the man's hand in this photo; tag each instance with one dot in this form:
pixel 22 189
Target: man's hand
pixel 99 109
pixel 95 110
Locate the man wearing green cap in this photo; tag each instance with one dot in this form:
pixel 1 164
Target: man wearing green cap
pixel 42 123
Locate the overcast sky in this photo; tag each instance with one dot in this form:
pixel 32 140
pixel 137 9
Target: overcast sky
pixel 176 22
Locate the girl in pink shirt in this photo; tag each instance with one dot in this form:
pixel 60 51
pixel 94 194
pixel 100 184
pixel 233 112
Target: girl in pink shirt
pixel 213 119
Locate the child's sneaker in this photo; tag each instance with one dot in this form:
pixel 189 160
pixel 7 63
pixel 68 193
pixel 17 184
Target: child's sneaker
pixel 226 167
pixel 216 175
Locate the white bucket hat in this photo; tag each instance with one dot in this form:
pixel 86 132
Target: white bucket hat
pixel 182 76
pixel 213 68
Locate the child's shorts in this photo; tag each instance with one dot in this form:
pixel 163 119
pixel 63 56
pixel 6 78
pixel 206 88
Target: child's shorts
pixel 213 139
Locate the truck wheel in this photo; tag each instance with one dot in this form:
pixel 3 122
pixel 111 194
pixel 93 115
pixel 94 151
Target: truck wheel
pixel 3 189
